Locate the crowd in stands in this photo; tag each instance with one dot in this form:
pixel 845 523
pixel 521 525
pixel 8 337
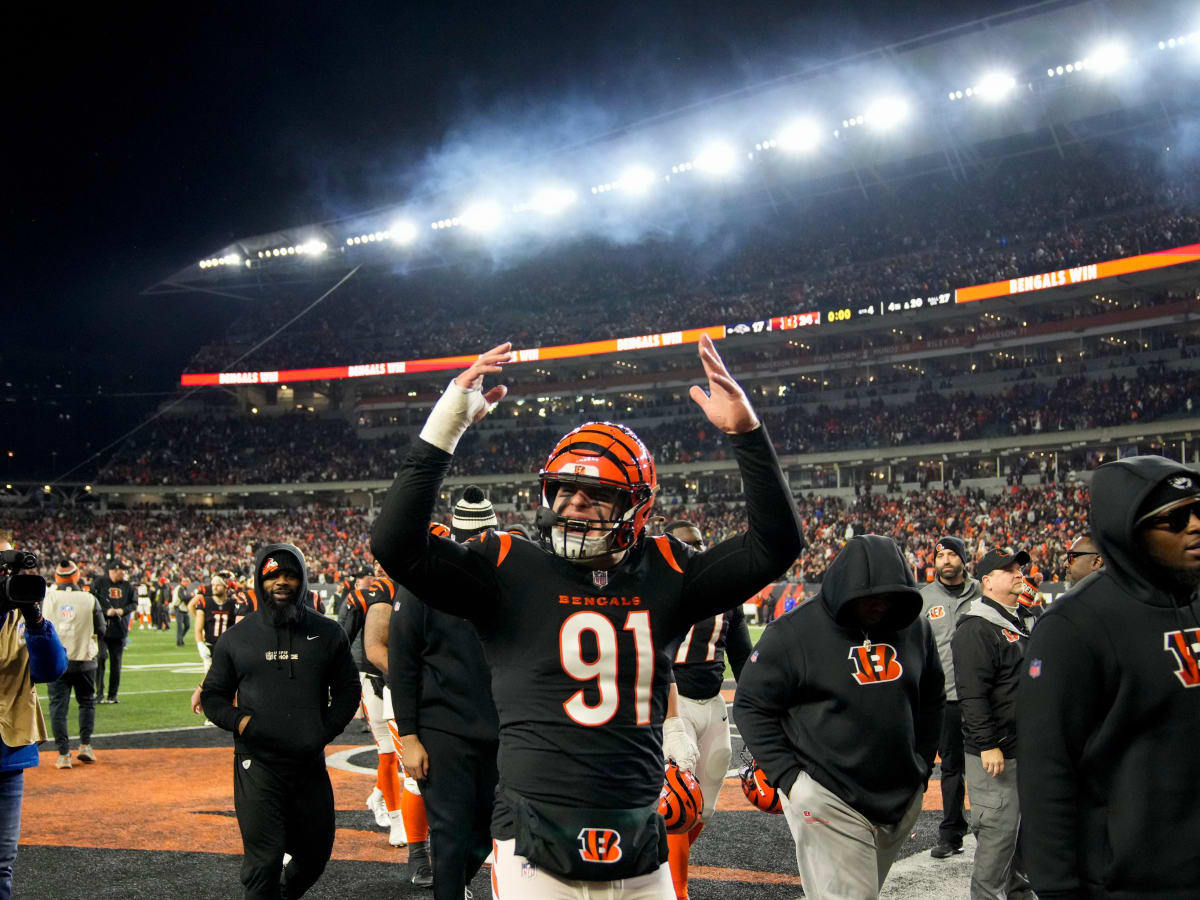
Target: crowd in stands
pixel 167 544
pixel 917 237
pixel 301 448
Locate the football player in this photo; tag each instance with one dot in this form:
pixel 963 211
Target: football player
pixel 384 800
pixel 214 612
pixel 412 804
pixel 699 663
pixel 576 627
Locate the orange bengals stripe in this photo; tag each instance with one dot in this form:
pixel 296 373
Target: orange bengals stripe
pixel 495 862
pixel 505 546
pixel 664 547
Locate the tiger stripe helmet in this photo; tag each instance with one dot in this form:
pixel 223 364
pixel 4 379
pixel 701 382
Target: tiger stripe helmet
pixel 757 789
pixel 437 529
pixel 601 455
pixel 680 801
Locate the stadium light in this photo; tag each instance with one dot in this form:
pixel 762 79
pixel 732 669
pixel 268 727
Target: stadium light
pixel 717 158
pixel 403 232
pixel 481 217
pixel 995 86
pixel 313 247
pixel 886 113
pixel 550 201
pixel 636 180
pixel 799 136
pixel 1107 58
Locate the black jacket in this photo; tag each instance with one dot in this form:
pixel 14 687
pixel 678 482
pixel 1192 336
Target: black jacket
pixel 988 646
pixel 438 674
pixel 860 712
pixel 119 595
pixel 1109 718
pixel 298 684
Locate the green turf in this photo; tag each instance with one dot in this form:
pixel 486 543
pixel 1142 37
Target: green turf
pixel 157 681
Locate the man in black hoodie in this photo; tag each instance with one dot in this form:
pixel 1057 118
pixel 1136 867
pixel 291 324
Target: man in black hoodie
pixel 841 705
pixel 988 647
pixel 1109 706
pixel 296 688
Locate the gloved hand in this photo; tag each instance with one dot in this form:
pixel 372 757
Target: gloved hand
pixel 679 745
pixel 205 653
pixel 32 613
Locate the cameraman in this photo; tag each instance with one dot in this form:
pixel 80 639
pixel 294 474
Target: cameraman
pixel 30 652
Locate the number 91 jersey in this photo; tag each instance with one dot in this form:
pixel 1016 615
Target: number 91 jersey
pixel 581 669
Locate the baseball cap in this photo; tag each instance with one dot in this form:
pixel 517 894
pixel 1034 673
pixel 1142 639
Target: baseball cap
pixel 117 563
pixel 1000 558
pixel 1174 490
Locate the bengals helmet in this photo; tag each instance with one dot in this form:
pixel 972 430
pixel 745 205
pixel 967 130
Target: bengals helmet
pixel 756 788
pixel 437 529
pixel 680 801
pixel 602 456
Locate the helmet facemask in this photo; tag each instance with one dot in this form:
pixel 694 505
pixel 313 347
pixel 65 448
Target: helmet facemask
pixel 613 467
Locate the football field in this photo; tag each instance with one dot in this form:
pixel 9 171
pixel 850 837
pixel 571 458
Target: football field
pixel 153 817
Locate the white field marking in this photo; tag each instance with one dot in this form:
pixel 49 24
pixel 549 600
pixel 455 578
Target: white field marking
pixel 151 731
pixel 341 761
pixel 921 877
pixel 185 690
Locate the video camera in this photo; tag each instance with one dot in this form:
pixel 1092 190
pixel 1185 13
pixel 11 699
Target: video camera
pixel 17 588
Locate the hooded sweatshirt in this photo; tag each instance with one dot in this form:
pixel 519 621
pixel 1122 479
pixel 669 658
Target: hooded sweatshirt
pixel 859 710
pixel 988 647
pixel 298 684
pixel 1109 717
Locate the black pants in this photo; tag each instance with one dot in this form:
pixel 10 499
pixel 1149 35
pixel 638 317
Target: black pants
pixel 60 706
pixel 114 649
pixel 458 793
pixel 282 811
pixel 950 749
pixel 183 624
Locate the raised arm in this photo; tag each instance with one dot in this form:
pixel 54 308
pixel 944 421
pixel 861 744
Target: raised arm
pixel 741 565
pixel 447 575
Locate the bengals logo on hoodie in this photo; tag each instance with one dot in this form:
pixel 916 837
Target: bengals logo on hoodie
pixel 875 664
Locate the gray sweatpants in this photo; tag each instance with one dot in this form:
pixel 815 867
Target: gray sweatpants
pixel 996 823
pixel 840 853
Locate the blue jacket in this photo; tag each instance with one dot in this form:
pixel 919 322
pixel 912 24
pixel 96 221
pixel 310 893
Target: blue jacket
pixel 47 661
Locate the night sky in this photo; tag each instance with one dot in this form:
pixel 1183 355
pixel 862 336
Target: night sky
pixel 140 145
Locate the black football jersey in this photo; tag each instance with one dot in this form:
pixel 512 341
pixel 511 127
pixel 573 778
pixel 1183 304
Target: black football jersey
pixel 579 658
pixel 354 619
pixel 218 617
pixel 699 656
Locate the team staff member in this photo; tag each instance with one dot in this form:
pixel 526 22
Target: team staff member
pixel 841 706
pixel 988 646
pixel 384 800
pixel 296 688
pixel 943 602
pixel 180 597
pixel 576 629
pixel 699 665
pixel 442 699
pixel 1108 714
pixel 80 627
pixel 118 599
pixel 1083 558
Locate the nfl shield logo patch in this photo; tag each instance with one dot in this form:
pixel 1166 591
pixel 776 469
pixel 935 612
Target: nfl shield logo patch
pixel 526 870
pixel 1035 668
pixel 599 578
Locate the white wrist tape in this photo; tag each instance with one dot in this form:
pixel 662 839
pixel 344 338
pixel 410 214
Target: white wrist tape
pixel 678 744
pixel 205 653
pixel 454 412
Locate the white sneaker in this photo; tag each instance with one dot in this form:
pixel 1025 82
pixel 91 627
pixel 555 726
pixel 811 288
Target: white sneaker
pixel 376 805
pixel 398 837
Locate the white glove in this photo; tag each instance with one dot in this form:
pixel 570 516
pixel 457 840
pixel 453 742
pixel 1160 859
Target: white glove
pixel 679 745
pixel 205 653
pixel 455 410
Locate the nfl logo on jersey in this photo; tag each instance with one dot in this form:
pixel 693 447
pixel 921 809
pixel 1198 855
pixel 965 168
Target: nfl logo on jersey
pixel 599 578
pixel 526 870
pixel 1035 668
